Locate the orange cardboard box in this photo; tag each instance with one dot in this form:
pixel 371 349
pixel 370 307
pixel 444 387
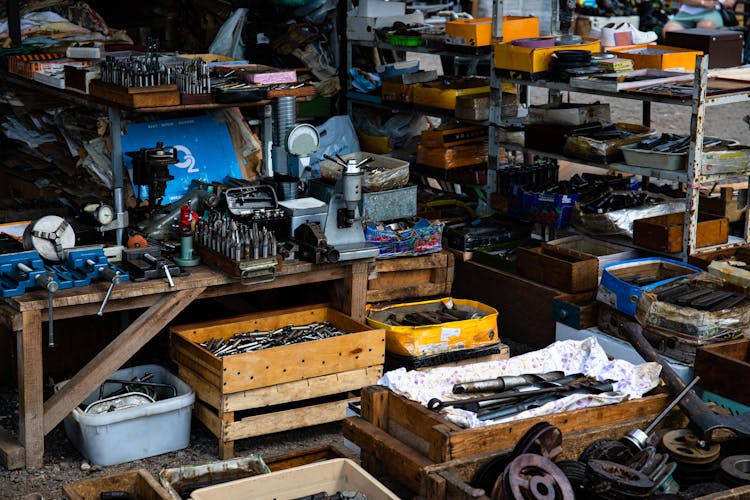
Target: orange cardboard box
pixel 659 57
pixel 528 60
pixel 478 32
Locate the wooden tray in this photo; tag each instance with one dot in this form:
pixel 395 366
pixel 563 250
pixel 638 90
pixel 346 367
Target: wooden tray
pixel 568 271
pixel 136 97
pixel 411 277
pixel 663 233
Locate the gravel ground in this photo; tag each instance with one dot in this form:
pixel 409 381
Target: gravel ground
pixel 63 464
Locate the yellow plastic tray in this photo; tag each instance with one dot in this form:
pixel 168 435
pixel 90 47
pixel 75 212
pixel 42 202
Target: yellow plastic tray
pixel 433 339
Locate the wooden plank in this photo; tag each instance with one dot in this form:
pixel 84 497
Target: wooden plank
pixel 299 390
pixel 269 423
pixel 415 291
pixel 438 259
pixel 183 357
pixel 351 293
pixel 398 459
pixel 303 457
pixel 31 389
pixel 114 355
pixel 209 418
pixel 12 454
pixel 304 360
pixel 10 318
pixel 374 401
pixel 226 443
pixel 472 441
pixel 525 306
pixel 204 390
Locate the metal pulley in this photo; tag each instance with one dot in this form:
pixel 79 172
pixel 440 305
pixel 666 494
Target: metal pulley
pixel 50 236
pixel 685 447
pixel 532 477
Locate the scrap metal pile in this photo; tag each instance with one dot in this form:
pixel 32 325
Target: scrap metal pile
pixel 256 341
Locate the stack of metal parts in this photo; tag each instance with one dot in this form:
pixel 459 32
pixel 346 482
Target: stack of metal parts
pixel 424 318
pixel 701 297
pixel 151 70
pixel 255 341
pixel 339 495
pixel 136 392
pixel 235 240
pixel 610 469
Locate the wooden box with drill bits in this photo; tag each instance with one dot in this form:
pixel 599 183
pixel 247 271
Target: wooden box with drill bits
pixel 406 441
pixel 230 382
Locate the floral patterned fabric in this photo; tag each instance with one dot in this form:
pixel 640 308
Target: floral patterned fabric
pixel 569 356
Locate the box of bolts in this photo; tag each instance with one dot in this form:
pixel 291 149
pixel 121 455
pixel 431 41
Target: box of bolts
pixel 469 236
pixel 601 142
pixel 546 207
pixel 435 326
pixel 246 251
pixel 667 151
pixel 614 212
pixel 381 172
pixel 274 347
pixel 137 412
pixel 699 308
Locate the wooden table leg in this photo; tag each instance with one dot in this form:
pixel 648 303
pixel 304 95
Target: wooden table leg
pixel 31 388
pixel 351 296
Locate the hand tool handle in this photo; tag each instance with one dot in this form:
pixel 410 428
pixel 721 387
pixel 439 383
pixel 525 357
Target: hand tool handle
pixel 168 275
pixel 106 298
pixel 671 405
pixel 150 258
pixel 50 323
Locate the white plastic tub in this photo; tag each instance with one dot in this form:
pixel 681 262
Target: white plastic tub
pixel 133 433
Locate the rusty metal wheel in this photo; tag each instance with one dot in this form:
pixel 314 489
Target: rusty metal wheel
pixel 532 477
pixel 685 447
pixel 541 439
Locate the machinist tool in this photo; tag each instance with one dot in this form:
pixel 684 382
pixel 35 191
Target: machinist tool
pixel 151 169
pixel 235 240
pixel 23 270
pixel 505 383
pixel 255 341
pixel 705 421
pixel 147 263
pixel 313 245
pixel 636 439
pixel 474 404
pixel 82 265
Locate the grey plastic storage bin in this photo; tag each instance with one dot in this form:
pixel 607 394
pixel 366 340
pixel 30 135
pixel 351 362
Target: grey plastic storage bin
pixel 133 433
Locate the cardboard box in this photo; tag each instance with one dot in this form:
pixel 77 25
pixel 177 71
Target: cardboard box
pixel 569 113
pixel 331 476
pixel 380 8
pixel 565 271
pixel 456 156
pixel 528 61
pixel 664 232
pixel 363 28
pixel 392 90
pixel 452 135
pixel 469 32
pixel 659 57
pixel 443 95
pixel 515 27
pixel 724 47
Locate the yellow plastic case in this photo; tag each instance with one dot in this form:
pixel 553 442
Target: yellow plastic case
pixel 434 339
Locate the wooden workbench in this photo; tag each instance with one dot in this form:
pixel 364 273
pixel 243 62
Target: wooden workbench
pixel 24 315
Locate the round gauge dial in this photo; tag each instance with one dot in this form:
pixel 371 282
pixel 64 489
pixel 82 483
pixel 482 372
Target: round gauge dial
pixel 105 214
pixel 303 140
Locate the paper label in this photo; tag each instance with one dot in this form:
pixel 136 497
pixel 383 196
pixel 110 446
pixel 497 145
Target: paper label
pixel 448 333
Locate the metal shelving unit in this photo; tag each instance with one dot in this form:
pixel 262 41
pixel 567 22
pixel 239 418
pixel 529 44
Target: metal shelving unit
pixel 693 178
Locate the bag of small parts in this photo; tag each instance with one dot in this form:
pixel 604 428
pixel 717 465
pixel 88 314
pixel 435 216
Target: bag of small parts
pixel 697 307
pixel 138 412
pixel 435 326
pixel 392 241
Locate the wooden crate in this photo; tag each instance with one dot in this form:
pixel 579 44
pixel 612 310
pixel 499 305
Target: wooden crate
pixel 139 483
pixel 564 271
pixel 288 375
pixel 703 260
pixel 664 232
pixel 411 277
pixel 403 438
pixel 721 365
pixel 728 204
